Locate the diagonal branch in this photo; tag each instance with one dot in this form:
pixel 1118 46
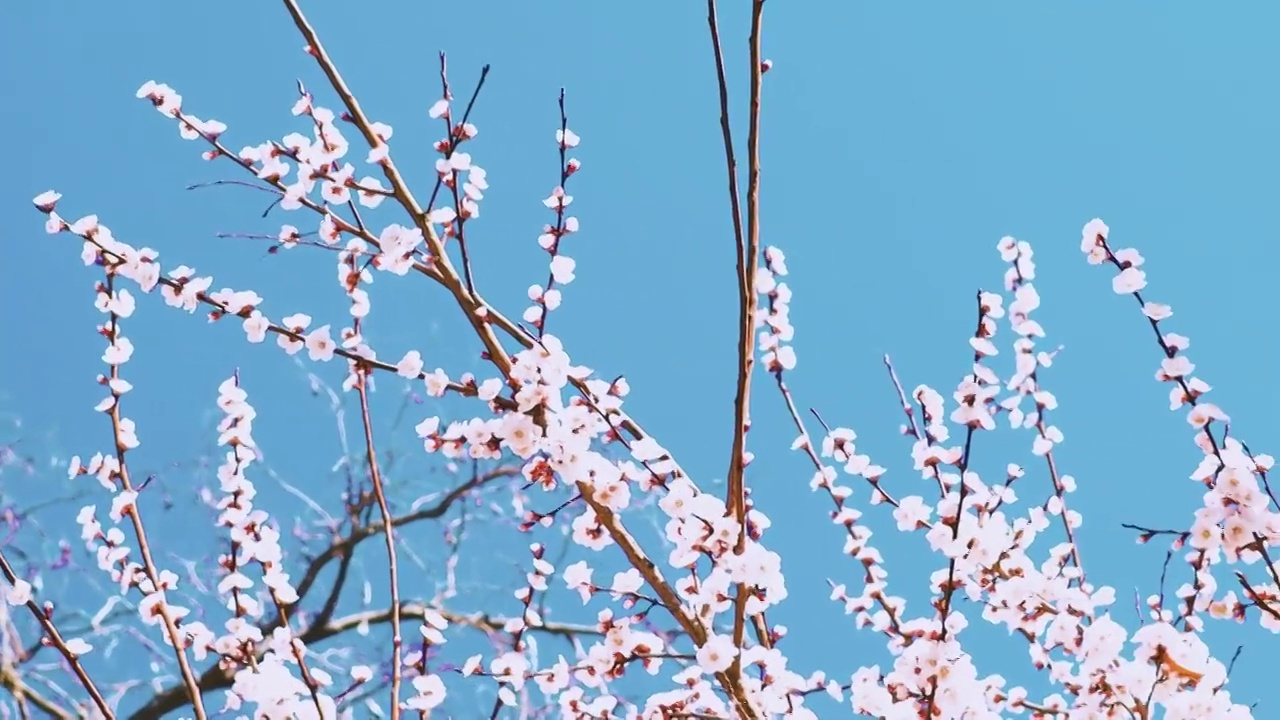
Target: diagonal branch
pixel 448 275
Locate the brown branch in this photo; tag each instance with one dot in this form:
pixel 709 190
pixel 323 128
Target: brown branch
pixel 448 275
pixel 1262 604
pixel 748 252
pixel 734 498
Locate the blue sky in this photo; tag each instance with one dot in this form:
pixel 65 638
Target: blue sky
pixel 901 141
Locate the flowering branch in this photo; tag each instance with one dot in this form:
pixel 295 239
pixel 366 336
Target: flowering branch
pixel 558 429
pixel 147 577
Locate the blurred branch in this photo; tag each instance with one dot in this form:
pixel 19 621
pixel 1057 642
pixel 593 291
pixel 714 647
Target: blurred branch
pixel 479 621
pixel 214 678
pixel 23 693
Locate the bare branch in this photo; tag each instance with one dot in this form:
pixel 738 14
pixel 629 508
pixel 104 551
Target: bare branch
pixel 23 693
pixel 480 621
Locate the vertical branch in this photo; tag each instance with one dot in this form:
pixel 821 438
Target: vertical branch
pixel 748 260
pixel 748 251
pixel 731 160
pixel 360 371
pixel 558 232
pixel 388 522
pixel 455 134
